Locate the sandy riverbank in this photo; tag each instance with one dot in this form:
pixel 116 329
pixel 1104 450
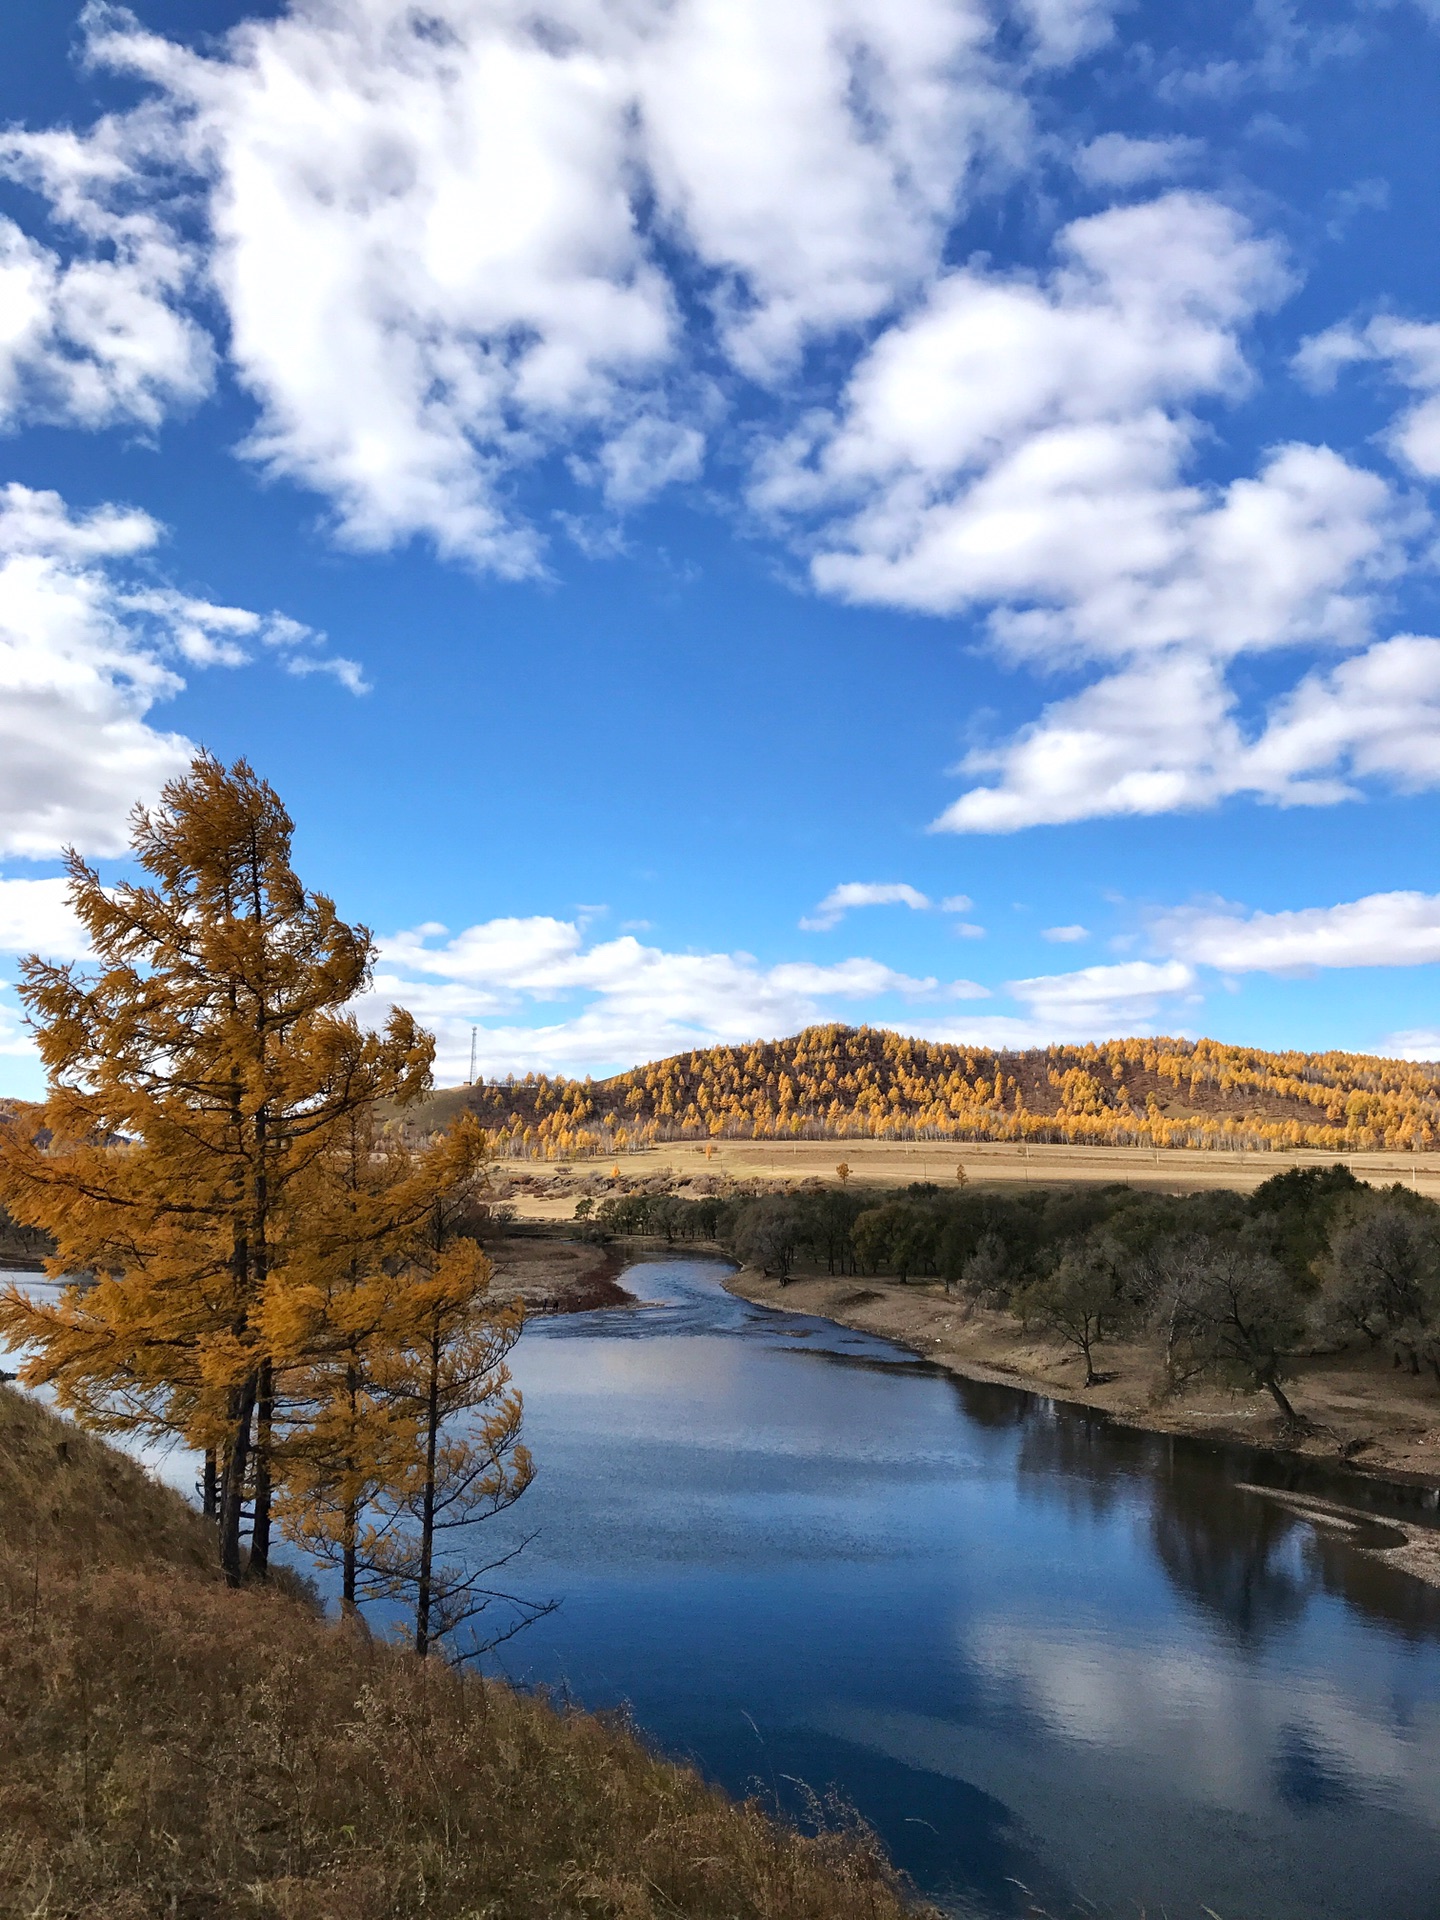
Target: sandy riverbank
pixel 1385 1423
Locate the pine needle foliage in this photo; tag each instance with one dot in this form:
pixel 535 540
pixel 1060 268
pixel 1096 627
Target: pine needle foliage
pixel 197 1075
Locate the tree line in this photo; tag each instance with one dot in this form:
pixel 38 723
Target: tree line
pixel 838 1082
pixel 1231 1286
pixel 255 1266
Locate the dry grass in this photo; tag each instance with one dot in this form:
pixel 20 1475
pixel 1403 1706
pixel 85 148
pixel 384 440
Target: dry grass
pixel 170 1748
pixel 896 1163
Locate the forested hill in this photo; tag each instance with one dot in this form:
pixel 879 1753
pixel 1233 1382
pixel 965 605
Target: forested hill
pixel 847 1082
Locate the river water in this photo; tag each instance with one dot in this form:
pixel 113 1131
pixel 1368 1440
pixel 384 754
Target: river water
pixel 1052 1661
pixel 1035 1651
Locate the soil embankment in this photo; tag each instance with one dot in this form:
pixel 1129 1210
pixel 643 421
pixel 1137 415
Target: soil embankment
pixel 1379 1422
pixel 559 1276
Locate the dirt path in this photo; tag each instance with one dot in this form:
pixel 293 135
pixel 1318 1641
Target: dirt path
pixel 1382 1422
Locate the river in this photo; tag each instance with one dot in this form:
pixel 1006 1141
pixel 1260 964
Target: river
pixel 1036 1651
pixel 1044 1656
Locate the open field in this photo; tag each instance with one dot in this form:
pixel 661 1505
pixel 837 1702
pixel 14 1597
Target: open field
pixel 897 1163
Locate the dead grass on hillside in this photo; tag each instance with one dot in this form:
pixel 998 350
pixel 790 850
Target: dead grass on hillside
pixel 171 1748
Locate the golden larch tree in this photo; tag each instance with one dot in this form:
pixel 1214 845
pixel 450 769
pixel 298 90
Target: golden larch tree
pixel 196 1074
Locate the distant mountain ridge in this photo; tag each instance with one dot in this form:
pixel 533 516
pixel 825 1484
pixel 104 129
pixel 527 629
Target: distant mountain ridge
pixel 842 1082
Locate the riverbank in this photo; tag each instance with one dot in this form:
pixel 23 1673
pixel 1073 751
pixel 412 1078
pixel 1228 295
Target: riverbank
pixel 1377 1422
pixel 175 1747
pixel 559 1276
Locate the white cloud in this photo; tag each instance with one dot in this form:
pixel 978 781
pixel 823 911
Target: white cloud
pixel 88 648
pixel 1020 444
pixel 864 893
pixel 1410 350
pixel 1021 440
pixel 814 155
pixel 1109 998
pixel 619 1001
pixel 1095 1003
pixel 452 244
pixel 956 903
pixel 444 239
pixel 1165 735
pixel 35 917
pixel 1412 1043
pixel 1065 30
pixel 1065 936
pixel 1119 160
pixel 1381 930
pixel 100 339
pixel 16 1044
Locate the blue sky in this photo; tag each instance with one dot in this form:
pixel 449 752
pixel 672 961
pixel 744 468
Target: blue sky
pixel 631 473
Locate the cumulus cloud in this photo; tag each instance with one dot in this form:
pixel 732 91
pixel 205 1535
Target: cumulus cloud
pixel 454 244
pixel 1065 30
pixel 620 1001
pixel 100 337
pixel 864 893
pixel 89 646
pixel 1412 1043
pixel 1093 1003
pixel 1166 735
pixel 35 917
pixel 1381 930
pixel 1020 439
pixel 444 239
pixel 1113 997
pixel 1019 446
pixel 1065 936
pixel 596 1007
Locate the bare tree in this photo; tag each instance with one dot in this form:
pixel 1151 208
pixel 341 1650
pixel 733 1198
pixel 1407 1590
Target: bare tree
pixel 1382 1280
pixel 1243 1318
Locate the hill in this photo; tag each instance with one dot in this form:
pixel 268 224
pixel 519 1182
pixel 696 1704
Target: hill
pixel 837 1082
pixel 170 1747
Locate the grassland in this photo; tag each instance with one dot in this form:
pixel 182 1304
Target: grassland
pixel 541 1191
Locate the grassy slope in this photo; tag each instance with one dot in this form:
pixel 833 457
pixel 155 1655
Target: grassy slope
pixel 168 1747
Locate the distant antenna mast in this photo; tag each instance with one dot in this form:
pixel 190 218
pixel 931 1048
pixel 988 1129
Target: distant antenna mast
pixel 471 1081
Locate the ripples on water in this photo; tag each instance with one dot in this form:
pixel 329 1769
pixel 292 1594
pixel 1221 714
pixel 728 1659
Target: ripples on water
pixel 1029 1647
